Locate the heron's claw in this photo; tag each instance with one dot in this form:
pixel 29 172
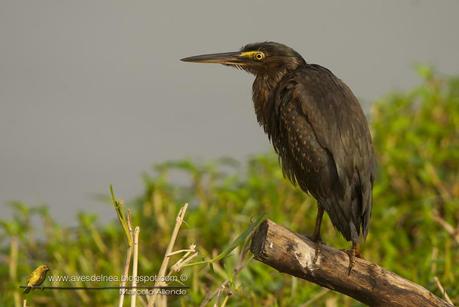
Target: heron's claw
pixel 317 251
pixel 318 241
pixel 352 253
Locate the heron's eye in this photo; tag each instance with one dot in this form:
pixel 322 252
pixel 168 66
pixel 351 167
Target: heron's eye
pixel 259 56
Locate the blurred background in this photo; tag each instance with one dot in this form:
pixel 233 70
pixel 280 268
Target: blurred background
pixel 93 93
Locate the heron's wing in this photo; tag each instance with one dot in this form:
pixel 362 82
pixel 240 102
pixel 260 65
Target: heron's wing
pixel 325 105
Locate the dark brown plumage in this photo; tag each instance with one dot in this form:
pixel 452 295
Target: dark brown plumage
pixel 317 128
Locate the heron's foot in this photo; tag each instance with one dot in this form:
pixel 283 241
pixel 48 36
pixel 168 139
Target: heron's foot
pixel 317 251
pixel 353 253
pixel 317 241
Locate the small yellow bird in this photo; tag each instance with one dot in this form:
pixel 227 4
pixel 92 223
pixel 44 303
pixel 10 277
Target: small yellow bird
pixel 37 277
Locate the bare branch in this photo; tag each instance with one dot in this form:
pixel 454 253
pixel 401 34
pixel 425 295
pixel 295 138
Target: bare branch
pixel 134 265
pixel 368 283
pixel 127 262
pixel 453 232
pixel 163 268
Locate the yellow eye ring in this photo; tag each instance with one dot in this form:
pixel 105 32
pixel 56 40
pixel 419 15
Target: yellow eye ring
pixel 259 56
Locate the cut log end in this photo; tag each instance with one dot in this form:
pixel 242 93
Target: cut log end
pixel 259 239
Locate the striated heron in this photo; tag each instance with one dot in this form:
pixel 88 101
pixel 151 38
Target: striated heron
pixel 317 128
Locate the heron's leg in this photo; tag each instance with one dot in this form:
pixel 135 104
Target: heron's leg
pixel 353 252
pixel 316 234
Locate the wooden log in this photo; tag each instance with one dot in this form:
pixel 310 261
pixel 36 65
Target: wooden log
pixel 368 283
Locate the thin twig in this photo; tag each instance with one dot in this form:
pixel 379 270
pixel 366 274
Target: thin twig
pixel 225 301
pixel 134 265
pixel 454 232
pixel 163 268
pixel 191 249
pixel 442 290
pixel 119 205
pixel 181 262
pixel 238 267
pixel 315 298
pixel 13 267
pixel 223 289
pixel 211 295
pixel 434 261
pixel 128 261
pixel 189 254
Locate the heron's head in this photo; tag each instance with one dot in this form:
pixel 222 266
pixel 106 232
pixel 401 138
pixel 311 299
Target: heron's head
pixel 257 58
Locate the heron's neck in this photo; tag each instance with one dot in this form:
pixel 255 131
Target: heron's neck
pixel 262 90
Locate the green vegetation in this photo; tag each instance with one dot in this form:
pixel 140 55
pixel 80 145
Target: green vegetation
pixel 416 136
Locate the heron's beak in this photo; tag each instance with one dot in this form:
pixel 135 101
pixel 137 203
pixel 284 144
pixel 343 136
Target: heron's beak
pixel 227 58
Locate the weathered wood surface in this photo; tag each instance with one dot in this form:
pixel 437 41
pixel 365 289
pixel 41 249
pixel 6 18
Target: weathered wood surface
pixel 368 283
